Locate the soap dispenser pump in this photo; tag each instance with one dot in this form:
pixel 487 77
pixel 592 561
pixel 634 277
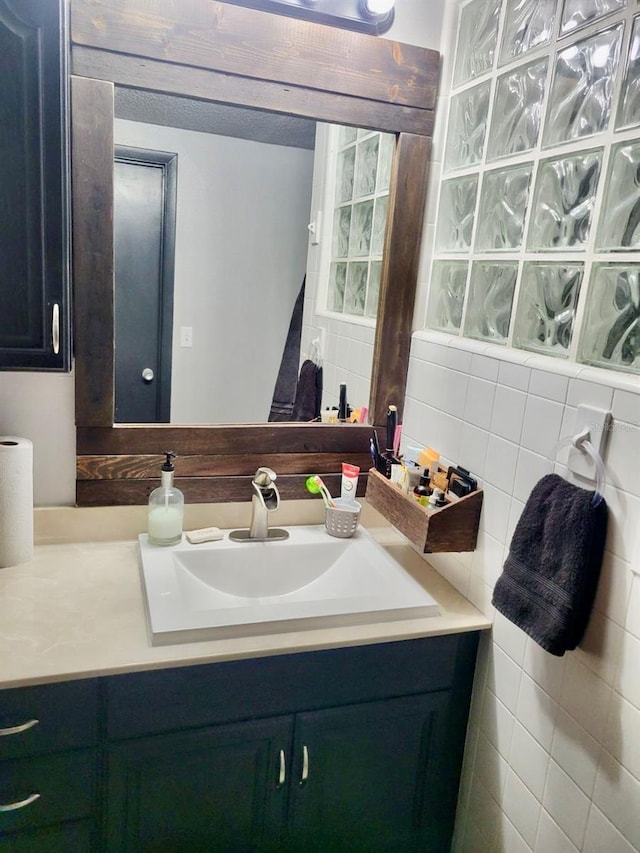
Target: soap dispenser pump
pixel 166 508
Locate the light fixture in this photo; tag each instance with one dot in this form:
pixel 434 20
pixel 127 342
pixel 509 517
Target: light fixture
pixel 380 11
pixel 378 7
pixel 366 16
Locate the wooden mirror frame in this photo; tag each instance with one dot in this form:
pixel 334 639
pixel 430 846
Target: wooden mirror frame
pixel 234 55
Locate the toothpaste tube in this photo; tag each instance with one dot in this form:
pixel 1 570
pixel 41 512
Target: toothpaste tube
pixel 349 483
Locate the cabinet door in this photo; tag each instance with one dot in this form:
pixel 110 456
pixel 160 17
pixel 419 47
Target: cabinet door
pixel 34 209
pixel 215 789
pixel 364 778
pixel 68 838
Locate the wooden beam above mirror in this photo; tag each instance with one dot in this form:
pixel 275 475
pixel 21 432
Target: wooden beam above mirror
pixel 234 55
pixel 242 55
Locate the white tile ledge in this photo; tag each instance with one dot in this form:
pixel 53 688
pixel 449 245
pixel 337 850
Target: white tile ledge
pixel 508 355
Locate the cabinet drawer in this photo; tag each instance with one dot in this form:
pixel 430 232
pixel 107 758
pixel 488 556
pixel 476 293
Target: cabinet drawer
pixel 65 785
pixel 162 700
pixel 47 718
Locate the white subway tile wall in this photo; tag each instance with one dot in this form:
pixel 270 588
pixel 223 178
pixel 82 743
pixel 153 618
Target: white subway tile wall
pixel 552 762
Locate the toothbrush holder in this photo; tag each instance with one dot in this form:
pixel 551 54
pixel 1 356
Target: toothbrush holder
pixel 342 520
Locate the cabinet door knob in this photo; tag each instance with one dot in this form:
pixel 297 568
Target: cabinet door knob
pixel 17 730
pixel 282 773
pixel 20 804
pixel 305 765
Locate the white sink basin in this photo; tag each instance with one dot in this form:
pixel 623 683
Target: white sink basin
pixel 310 580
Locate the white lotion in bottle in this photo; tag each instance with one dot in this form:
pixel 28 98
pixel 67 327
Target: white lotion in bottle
pixel 166 508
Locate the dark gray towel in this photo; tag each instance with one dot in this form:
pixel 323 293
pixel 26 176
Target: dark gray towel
pixel 308 393
pixel 551 575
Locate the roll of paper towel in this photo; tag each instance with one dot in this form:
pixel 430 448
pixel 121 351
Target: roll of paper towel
pixel 16 500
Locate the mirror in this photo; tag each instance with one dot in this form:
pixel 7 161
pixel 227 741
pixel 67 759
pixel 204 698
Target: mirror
pixel 233 55
pixel 214 260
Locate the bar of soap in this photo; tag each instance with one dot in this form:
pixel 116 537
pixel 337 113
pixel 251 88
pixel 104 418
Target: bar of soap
pixel 205 534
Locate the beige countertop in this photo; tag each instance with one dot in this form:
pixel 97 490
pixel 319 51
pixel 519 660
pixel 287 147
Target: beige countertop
pixel 76 610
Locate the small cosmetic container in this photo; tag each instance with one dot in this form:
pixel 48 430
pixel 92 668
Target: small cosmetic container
pixel 422 491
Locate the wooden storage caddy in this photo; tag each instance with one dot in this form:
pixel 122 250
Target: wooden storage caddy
pixel 453 527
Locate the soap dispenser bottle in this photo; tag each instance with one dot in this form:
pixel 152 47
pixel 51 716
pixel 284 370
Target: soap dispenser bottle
pixel 166 508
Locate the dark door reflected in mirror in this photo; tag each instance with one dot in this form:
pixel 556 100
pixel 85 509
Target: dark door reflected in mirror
pixel 144 184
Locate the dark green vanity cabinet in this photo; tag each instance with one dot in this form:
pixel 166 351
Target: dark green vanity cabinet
pixel 34 207
pixel 353 749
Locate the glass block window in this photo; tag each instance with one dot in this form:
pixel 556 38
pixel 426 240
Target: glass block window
pixel 577 13
pixel 629 111
pixel 565 197
pixel 538 212
pixel 469 109
pixel 528 24
pixel 580 98
pixel 620 223
pixel 363 161
pixel 547 306
pixel 611 335
pixel 503 204
pixel 457 213
pixel 477 38
pixel 446 297
pixel 491 291
pixel 516 125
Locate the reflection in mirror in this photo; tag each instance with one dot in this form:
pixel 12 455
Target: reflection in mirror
pixel 144 233
pixel 209 327
pixel 241 215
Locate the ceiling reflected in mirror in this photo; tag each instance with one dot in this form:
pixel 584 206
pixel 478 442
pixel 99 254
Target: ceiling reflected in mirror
pixel 158 108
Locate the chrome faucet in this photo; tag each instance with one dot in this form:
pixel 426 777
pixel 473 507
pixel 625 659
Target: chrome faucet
pixel 265 499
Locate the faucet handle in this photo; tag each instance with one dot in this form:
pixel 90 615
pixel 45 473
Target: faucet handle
pixel 264 477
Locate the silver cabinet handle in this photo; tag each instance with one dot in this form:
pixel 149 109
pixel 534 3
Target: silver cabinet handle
pixel 11 807
pixel 305 765
pixel 282 775
pixel 147 374
pixel 17 730
pixel 55 328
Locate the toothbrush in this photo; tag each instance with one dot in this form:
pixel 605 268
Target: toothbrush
pixel 315 485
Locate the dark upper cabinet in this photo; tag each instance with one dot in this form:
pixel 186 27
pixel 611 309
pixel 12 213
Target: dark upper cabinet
pixel 34 197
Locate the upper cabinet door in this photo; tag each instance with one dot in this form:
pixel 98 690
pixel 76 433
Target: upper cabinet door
pixel 34 206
